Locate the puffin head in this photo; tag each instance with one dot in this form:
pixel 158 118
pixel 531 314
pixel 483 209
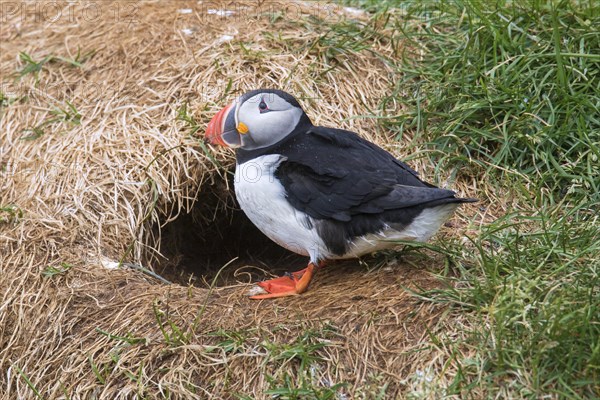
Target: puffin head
pixel 256 119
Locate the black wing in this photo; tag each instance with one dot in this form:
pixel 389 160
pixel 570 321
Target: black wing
pixel 335 174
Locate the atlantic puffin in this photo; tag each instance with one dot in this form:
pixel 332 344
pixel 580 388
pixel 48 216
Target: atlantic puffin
pixel 321 192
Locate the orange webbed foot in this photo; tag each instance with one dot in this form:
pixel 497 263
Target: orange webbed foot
pixel 289 285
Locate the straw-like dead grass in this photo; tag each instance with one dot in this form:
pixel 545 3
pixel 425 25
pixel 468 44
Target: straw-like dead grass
pixel 97 189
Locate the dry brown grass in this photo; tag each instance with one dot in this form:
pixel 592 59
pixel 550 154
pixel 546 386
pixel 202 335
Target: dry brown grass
pixel 99 191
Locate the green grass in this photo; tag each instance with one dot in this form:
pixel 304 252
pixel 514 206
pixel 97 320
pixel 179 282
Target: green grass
pixel 67 114
pixel 303 354
pixel 10 213
pixel 533 290
pixel 516 87
pixel 34 67
pixel 292 369
pixel 510 93
pixel 28 382
pixel 52 270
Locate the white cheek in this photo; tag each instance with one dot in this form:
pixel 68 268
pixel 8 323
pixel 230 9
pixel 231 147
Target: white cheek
pixel 247 114
pixel 271 127
pixel 270 123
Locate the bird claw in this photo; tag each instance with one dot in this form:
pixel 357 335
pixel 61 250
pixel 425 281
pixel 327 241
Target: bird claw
pixel 256 290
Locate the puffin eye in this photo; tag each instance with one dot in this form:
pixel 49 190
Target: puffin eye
pixel 263 107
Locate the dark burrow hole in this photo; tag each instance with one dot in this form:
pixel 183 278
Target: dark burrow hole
pixel 196 245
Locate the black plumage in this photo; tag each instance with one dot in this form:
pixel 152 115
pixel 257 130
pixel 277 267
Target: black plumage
pixel 349 186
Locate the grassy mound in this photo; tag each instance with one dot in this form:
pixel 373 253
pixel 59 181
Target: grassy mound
pixel 124 264
pixel 106 188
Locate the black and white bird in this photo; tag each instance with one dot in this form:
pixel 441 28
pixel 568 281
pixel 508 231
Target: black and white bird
pixel 321 192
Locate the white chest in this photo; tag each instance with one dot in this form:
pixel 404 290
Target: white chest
pixel 262 198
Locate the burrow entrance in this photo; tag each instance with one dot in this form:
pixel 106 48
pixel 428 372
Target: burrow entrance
pixel 198 244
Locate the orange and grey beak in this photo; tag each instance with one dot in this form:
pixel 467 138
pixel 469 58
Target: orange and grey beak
pixel 222 128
